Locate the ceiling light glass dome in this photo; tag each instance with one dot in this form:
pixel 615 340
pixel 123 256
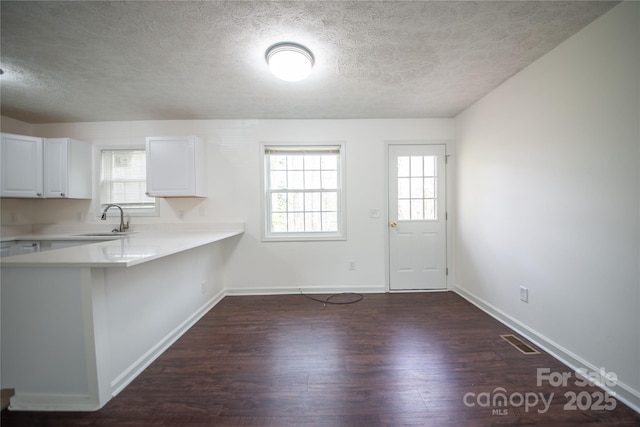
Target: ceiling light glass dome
pixel 291 62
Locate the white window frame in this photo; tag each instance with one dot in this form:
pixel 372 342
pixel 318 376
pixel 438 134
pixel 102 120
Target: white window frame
pixel 267 234
pixel 129 211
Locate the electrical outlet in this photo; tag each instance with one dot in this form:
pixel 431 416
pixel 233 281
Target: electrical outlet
pixel 203 287
pixel 352 265
pixel 524 294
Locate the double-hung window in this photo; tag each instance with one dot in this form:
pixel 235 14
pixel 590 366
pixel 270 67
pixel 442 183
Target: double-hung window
pixel 304 192
pixel 123 181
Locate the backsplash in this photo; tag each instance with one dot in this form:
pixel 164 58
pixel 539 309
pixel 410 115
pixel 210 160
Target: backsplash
pixel 20 216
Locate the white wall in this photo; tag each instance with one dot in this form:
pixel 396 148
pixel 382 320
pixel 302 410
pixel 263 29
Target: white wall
pixel 9 125
pixel 234 183
pixel 548 189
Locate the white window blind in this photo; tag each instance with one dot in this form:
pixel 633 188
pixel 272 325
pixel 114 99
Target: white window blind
pixel 123 180
pixel 303 192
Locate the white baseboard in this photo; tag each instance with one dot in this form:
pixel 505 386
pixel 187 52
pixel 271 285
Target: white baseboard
pixel 290 290
pixel 53 402
pixel 624 393
pixel 129 374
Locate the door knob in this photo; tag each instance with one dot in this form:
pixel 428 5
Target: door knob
pixel 393 224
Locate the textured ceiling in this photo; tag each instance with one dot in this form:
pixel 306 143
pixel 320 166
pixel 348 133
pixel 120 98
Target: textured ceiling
pixel 139 60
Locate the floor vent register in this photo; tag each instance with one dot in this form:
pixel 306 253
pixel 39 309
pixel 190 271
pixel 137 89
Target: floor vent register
pixel 519 344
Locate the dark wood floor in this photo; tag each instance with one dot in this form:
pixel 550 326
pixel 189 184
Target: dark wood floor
pixel 389 360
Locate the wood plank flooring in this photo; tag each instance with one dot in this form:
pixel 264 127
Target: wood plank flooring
pixel 388 360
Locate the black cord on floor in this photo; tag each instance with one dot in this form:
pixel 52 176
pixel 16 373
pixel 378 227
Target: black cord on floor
pixel 358 298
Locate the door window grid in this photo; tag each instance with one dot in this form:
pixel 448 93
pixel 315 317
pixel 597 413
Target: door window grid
pixel 417 188
pixel 303 190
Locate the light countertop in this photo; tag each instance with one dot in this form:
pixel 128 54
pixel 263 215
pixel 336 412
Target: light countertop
pixel 123 251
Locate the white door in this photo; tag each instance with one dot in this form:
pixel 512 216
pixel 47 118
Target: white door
pixel 417 217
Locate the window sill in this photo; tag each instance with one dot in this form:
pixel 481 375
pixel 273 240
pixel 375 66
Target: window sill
pixel 306 237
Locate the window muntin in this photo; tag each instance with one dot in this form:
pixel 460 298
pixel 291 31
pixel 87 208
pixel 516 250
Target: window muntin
pixel 303 192
pixel 123 181
pixel 417 184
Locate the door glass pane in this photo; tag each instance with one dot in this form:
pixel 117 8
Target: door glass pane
pixel 417 188
pixel 417 211
pixel 416 166
pixel 430 209
pixel 404 211
pixel 404 188
pixel 403 166
pixel 429 165
pixel 430 188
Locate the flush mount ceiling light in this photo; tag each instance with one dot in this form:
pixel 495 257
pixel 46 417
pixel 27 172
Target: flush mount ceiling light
pixel 291 62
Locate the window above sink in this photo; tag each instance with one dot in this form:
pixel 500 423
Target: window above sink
pixel 123 181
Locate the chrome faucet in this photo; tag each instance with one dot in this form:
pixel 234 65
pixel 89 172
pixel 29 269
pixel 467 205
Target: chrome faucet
pixel 123 226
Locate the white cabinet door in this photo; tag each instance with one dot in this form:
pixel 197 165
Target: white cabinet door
pixel 21 158
pixel 176 167
pixel 56 163
pixel 53 167
pixel 67 168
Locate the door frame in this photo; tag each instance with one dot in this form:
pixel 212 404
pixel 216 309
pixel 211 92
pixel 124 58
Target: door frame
pixel 448 143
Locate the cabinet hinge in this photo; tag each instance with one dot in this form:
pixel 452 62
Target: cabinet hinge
pixel 446 271
pixel 446 216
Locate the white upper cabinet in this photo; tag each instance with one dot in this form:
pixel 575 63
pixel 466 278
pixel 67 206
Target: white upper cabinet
pixel 67 168
pixel 176 167
pixel 52 167
pixel 21 158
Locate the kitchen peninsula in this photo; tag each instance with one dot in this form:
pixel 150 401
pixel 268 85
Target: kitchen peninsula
pixel 80 323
